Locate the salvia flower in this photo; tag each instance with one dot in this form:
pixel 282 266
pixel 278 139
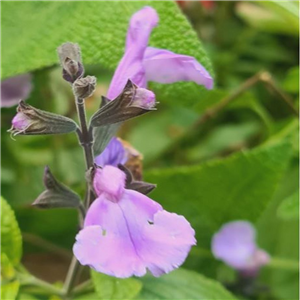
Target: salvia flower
pixel 125 232
pixel 141 63
pixel 113 155
pixel 235 244
pixel 15 88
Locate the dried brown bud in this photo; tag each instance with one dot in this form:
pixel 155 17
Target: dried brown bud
pixel 84 87
pixel 70 59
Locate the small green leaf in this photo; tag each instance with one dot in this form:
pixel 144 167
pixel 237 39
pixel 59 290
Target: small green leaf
pixel 11 239
pixel 111 288
pixel 289 208
pixel 270 16
pixel 291 81
pixel 182 284
pixel 9 283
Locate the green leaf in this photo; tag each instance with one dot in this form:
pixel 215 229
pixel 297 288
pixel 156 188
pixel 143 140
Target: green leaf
pixel 9 284
pixel 31 32
pixel 289 208
pixel 282 242
pixel 272 16
pixel 182 284
pixel 108 287
pixel 216 192
pixel 169 124
pixel 11 239
pixel 291 81
pixel 24 296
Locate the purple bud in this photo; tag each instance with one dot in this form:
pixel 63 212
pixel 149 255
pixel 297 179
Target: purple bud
pixel 32 121
pixel 131 103
pixel 144 98
pixel 21 122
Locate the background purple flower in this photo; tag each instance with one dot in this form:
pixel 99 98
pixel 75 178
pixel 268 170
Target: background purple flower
pixel 125 232
pixel 235 244
pixel 15 89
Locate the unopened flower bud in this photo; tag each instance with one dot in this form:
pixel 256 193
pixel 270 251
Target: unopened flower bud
pixel 132 102
pixel 21 122
pixel 144 98
pixel 70 58
pixel 84 87
pixel 32 121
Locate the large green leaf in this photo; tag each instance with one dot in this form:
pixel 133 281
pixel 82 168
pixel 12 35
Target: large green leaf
pixel 282 241
pixel 211 194
pixel 271 16
pixel 111 288
pixel 31 32
pixel 11 239
pixel 182 284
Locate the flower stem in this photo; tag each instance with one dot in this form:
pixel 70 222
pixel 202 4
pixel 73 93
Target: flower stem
pixel 85 137
pixel 86 141
pixel 71 277
pixel 35 282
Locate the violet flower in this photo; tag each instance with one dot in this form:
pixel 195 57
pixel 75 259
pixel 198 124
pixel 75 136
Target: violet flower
pixel 235 244
pixel 114 154
pixel 15 89
pixel 125 232
pixel 141 63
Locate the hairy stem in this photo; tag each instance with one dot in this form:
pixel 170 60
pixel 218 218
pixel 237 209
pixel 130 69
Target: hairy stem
pixel 86 141
pixel 86 137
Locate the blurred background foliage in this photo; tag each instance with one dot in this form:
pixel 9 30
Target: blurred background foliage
pixel 220 155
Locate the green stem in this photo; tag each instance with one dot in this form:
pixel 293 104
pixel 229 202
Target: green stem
pixel 83 288
pixel 284 264
pixel 71 277
pixel 33 281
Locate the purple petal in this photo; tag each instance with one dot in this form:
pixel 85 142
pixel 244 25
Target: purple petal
pixel 164 66
pixel 113 154
pixel 20 121
pixel 109 181
pixel 108 252
pixel 125 238
pixel 235 244
pixel 144 98
pixel 140 27
pixel 164 245
pixel 15 89
pixel 131 64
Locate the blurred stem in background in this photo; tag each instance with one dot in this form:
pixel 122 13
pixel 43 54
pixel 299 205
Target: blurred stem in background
pixel 198 127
